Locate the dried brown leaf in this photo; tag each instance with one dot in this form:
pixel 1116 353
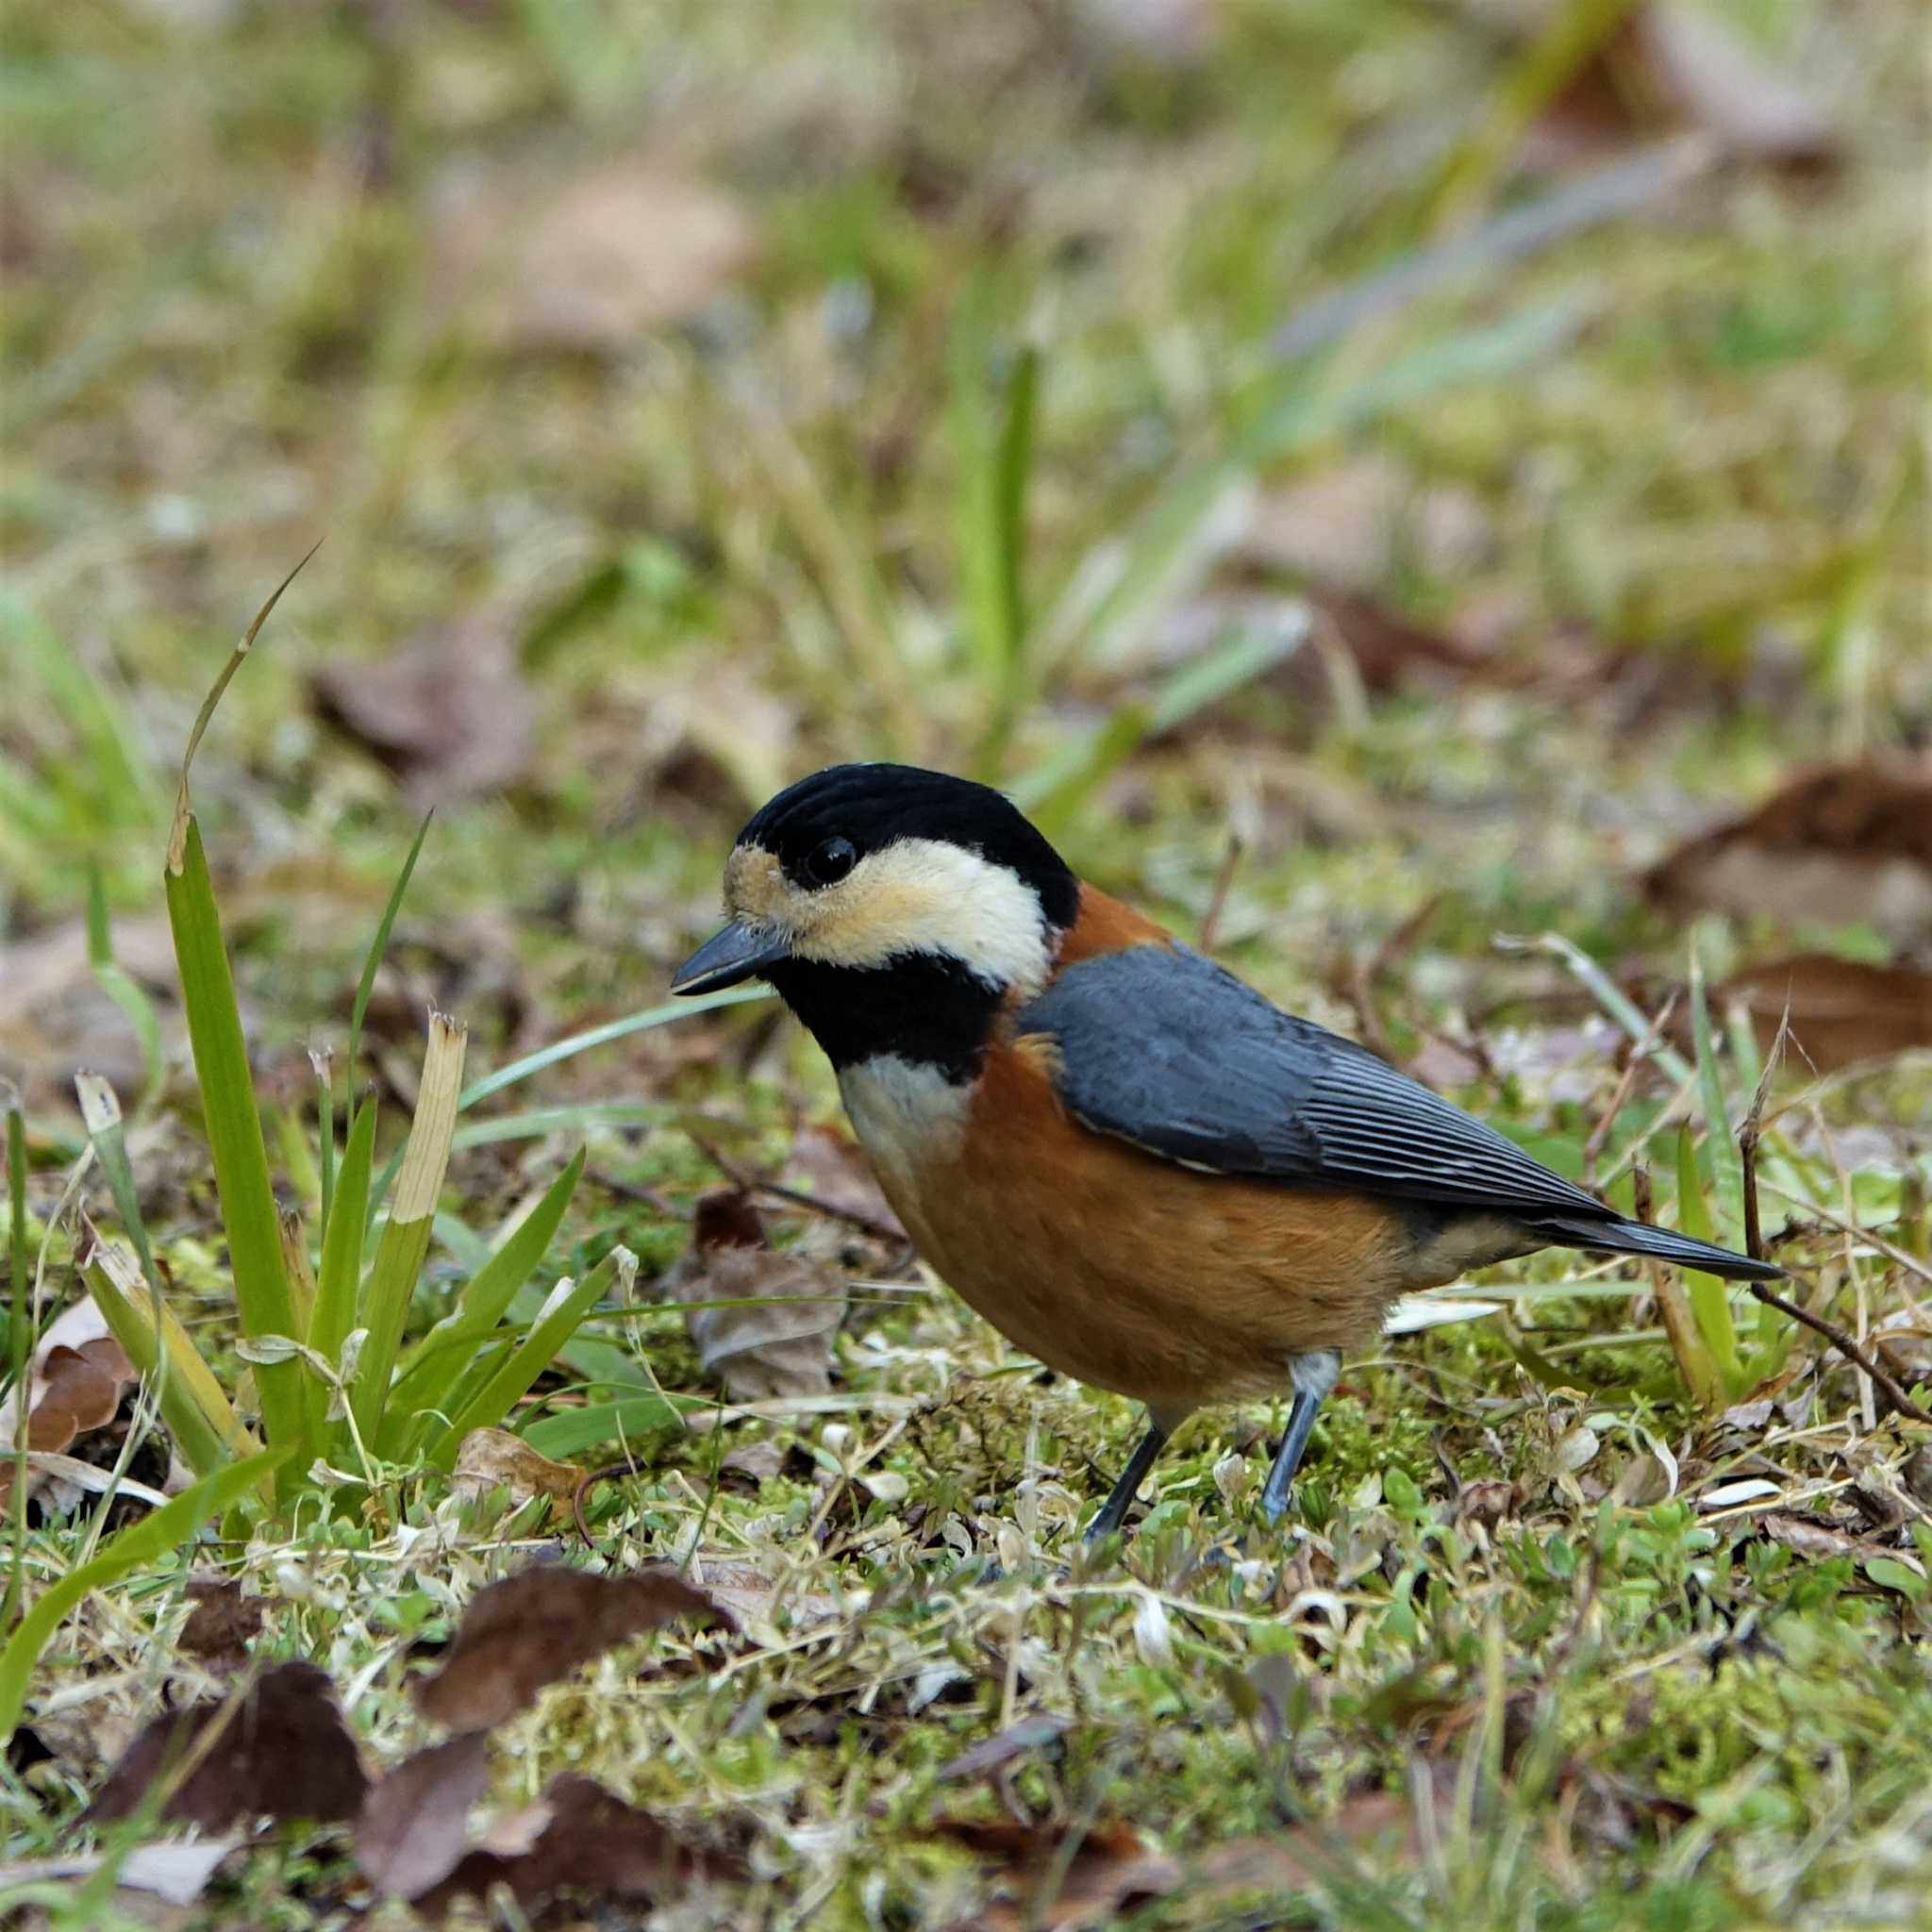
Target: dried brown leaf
pixel 782 1343
pixel 1842 1011
pixel 451 715
pixel 277 1748
pixel 79 1375
pixel 590 1843
pixel 490 1460
pixel 1109 1870
pixel 414 1828
pixel 221 1623
pixel 531 1629
pixel 1841 843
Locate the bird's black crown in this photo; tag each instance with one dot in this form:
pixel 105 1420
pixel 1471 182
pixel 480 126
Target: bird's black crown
pixel 873 805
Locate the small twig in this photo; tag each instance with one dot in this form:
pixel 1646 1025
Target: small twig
pixel 633 1190
pixel 588 1481
pixel 1231 857
pixel 747 1183
pixel 1896 1400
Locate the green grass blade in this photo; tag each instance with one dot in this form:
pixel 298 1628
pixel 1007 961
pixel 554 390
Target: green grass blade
pixel 568 1303
pixel 1711 1301
pixel 339 1284
pixel 602 1036
pixel 119 987
pixel 405 1238
pixel 1054 790
pixel 19 1316
pixel 326 1134
pixel 234 1131
pixel 1720 1157
pixel 380 945
pixel 434 1366
pixel 141 1543
pixel 100 1111
pixel 571 1431
pixel 993 452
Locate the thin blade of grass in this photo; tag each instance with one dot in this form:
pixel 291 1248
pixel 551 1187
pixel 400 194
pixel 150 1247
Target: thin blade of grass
pixel 557 1322
pixel 1716 1162
pixel 234 1128
pixel 326 1132
pixel 19 1342
pixel 141 1543
pixel 100 1112
pixel 380 945
pixel 602 1036
pixel 1053 791
pixel 405 1238
pixel 338 1285
pixel 433 1367
pixel 120 988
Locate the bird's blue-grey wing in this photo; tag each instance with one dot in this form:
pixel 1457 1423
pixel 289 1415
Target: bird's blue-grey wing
pixel 1160 1047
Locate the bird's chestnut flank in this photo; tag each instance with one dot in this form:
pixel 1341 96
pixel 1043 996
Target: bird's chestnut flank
pixel 1126 1160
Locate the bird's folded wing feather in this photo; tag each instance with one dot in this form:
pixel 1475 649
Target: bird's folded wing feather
pixel 1159 1046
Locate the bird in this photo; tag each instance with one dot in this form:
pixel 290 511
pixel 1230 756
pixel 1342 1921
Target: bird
pixel 1133 1164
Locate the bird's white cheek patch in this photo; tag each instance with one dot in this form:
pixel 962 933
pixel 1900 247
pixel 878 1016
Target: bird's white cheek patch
pixel 907 1117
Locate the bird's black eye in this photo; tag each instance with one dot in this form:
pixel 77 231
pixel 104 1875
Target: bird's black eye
pixel 831 861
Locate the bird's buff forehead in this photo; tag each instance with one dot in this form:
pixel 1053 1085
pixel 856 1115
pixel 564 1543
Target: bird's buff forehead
pixel 755 887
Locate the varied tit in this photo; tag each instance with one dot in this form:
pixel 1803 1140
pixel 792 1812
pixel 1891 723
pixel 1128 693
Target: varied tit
pixel 1126 1160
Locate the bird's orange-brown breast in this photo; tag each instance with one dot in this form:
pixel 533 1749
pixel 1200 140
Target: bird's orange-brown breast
pixel 1127 1270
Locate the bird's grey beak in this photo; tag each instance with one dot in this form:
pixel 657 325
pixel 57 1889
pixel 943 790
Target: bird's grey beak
pixel 727 957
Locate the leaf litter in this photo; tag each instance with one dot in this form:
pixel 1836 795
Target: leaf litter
pixel 775 1338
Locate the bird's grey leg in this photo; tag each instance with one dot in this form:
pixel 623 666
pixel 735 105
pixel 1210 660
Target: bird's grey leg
pixel 1113 1512
pixel 1313 1377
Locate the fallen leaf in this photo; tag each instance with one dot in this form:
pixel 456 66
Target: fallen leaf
pixel 584 1840
pixel 1042 1886
pixel 176 1873
pixel 280 1750
pixel 1845 844
pixel 1671 66
pixel 221 1623
pixel 491 1460
pixel 1841 1010
pixel 538 1626
pixel 79 1373
pixel 591 263
pixel 452 715
pixel 414 1828
pixel 782 1344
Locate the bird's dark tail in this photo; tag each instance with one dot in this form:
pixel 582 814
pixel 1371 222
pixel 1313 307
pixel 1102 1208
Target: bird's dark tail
pixel 1660 1243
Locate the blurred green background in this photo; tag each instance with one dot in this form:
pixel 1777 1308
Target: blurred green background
pixel 689 395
